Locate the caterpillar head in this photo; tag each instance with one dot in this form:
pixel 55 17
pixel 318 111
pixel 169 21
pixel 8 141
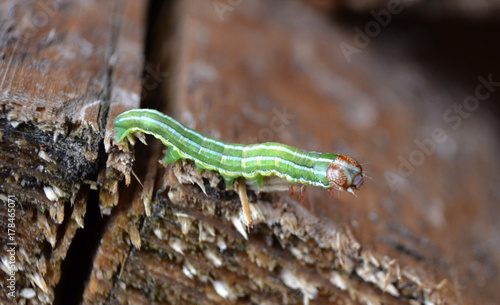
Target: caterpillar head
pixel 345 173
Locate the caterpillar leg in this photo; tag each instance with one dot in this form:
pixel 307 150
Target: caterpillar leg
pixel 242 192
pixel 330 192
pixel 302 191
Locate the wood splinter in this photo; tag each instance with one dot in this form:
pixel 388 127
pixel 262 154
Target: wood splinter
pixel 241 189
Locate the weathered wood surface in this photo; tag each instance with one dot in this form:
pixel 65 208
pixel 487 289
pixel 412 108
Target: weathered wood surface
pixel 64 66
pixel 423 229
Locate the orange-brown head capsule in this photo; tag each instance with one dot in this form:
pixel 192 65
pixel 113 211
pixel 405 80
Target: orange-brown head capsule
pixel 345 173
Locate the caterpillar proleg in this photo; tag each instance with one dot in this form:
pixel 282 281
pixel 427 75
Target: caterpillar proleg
pixel 232 161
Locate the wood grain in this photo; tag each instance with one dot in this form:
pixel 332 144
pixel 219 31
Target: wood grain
pixel 272 71
pixel 62 66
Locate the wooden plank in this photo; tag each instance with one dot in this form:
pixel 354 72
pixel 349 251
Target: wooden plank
pixel 272 71
pixel 127 87
pixel 60 61
pixel 54 80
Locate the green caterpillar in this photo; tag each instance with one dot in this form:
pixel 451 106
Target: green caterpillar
pixel 252 162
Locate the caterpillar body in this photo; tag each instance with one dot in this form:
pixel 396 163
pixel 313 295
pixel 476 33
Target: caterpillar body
pixel 232 161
